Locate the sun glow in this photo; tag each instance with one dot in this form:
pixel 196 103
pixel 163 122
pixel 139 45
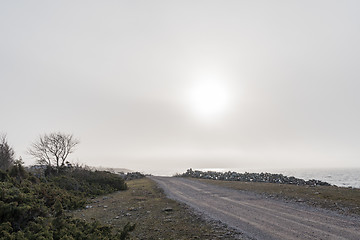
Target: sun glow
pixel 209 99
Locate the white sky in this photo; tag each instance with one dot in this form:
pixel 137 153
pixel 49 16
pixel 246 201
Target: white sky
pixel 134 80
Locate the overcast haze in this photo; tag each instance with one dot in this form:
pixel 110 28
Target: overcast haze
pixel 161 86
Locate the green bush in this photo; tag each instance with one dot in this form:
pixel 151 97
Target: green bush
pixel 88 183
pixel 31 208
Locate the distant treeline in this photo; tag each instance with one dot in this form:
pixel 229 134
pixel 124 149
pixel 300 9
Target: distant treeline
pixel 251 177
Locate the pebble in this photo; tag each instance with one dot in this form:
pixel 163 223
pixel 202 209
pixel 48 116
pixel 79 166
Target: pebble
pixel 168 209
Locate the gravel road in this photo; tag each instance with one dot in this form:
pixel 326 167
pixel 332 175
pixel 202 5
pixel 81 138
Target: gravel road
pixel 257 216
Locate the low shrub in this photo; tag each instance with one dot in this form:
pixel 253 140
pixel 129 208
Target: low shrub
pixel 33 208
pixel 88 183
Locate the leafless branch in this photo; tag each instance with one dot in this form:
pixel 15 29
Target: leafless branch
pixel 53 148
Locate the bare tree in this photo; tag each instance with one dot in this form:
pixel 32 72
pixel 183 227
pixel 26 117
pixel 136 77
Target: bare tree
pixel 6 154
pixel 53 149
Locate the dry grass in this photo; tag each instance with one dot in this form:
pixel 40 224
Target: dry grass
pixel 345 200
pixel 144 204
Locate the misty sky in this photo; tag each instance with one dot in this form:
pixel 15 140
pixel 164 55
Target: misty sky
pixel 161 85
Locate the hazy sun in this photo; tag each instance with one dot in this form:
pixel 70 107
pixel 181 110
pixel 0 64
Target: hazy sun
pixel 209 99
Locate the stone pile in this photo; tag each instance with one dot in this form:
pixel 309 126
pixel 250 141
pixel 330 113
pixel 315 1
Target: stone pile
pixel 131 175
pixel 251 177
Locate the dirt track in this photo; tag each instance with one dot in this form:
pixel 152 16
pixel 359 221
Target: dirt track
pixel 257 216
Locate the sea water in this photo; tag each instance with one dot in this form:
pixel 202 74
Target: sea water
pixel 338 177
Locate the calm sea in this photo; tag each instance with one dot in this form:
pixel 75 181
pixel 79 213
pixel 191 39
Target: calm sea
pixel 338 177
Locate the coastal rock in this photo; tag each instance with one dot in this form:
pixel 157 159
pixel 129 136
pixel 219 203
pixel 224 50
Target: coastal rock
pixel 131 175
pixel 252 177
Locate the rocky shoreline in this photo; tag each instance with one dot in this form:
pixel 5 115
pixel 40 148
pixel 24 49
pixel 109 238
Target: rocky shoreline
pixel 251 177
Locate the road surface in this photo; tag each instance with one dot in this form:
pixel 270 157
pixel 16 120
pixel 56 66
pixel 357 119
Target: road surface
pixel 258 217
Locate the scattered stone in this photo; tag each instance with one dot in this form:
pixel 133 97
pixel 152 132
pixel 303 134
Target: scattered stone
pixel 131 175
pixel 128 214
pixel 88 206
pixel 105 206
pixel 168 209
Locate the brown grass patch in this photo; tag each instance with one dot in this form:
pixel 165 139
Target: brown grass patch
pixel 156 216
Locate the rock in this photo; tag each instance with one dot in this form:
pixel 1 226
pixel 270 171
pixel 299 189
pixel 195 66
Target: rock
pixel 88 206
pixel 105 206
pixel 168 209
pixel 132 175
pixel 128 214
pixel 251 177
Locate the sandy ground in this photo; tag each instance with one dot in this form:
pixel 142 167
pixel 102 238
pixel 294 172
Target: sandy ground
pixel 259 217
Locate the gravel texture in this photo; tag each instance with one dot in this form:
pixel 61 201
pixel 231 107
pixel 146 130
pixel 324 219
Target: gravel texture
pixel 259 217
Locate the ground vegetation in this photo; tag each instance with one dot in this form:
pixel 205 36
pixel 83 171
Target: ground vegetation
pixel 33 207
